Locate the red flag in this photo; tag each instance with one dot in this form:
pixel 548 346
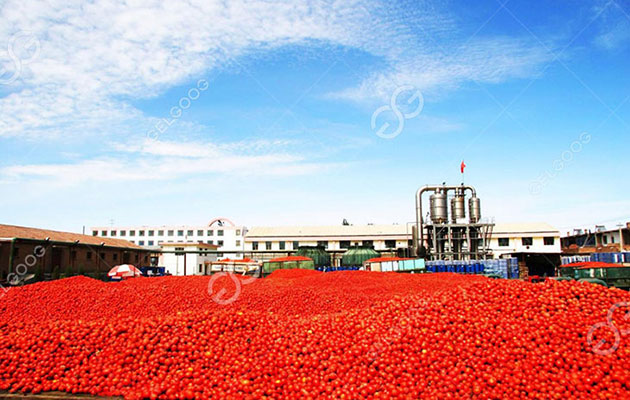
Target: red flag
pixel 462 166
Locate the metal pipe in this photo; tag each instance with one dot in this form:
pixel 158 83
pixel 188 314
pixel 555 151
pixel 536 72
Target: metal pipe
pixel 419 220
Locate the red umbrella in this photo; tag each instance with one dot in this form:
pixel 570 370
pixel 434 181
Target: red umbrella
pixel 124 271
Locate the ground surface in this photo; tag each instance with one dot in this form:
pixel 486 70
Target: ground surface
pixel 308 334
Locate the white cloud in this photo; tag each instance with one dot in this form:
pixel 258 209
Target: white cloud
pixel 436 72
pixel 94 55
pixel 161 160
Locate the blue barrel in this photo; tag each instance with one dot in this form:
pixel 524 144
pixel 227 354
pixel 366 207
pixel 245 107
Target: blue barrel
pixel 470 269
pixel 461 268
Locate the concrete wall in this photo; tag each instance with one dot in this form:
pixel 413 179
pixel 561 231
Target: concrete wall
pixel 516 245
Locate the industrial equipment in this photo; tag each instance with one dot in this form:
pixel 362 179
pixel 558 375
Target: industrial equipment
pixel 456 238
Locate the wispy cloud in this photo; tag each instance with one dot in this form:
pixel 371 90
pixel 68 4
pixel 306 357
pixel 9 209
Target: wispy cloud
pixel 433 71
pixel 94 55
pixel 161 160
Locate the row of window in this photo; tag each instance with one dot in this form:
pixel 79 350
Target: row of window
pixel 151 242
pixel 527 241
pixel 344 244
pixel 171 232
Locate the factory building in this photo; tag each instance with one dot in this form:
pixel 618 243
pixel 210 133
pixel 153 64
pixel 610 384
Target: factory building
pixel 264 243
pixel 25 251
pixel 187 258
pixel 228 237
pixel 536 245
pixel 599 240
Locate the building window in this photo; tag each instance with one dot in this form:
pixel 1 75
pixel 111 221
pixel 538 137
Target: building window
pixel 344 244
pixel 73 254
pixel 209 242
pixel 189 233
pixel 141 242
pixel 137 258
pixel 220 243
pixel 322 243
pixel 238 232
pixel 220 232
pixel 210 232
pixel 115 256
pixel 390 244
pixel 200 268
pixel 123 233
pixel 605 238
pixel 254 245
pixel 113 233
pixel 94 233
pixel 368 243
pixel 549 240
pixel 160 233
pixel 612 239
pixel 132 233
pixel 282 245
pixel 88 255
pixel 238 243
pixel 150 243
pixel 527 241
pixel 504 242
pixel 103 233
pixel 199 233
pixel 151 233
pixel 267 245
pixel 171 233
pixel 103 256
pixel 140 233
pixel 296 244
pixel 180 233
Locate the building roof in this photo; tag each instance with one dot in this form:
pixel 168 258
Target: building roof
pixel 524 228
pixel 328 231
pixel 23 232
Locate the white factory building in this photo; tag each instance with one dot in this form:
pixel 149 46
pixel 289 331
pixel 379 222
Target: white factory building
pixel 222 232
pixel 506 239
pixel 515 238
pixel 187 258
pixel 331 237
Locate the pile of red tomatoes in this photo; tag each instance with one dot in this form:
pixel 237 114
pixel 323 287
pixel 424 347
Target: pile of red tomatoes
pixel 304 334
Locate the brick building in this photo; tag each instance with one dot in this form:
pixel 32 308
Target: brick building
pixel 52 253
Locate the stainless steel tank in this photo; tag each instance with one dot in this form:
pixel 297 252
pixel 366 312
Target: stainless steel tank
pixel 458 207
pixel 474 209
pixel 439 207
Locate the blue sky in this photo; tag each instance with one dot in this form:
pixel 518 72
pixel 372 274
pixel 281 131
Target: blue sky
pixel 278 100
